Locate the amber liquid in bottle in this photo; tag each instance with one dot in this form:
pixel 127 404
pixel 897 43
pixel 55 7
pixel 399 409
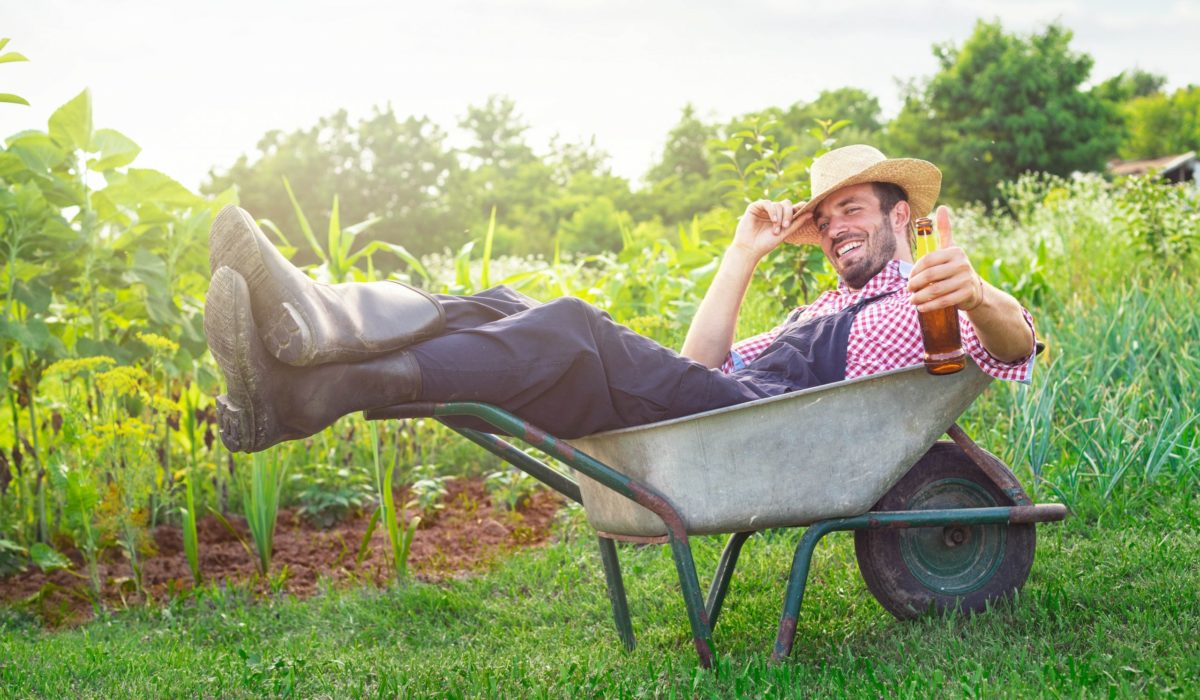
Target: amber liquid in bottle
pixel 939 329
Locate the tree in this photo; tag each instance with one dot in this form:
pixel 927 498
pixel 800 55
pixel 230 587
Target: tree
pixel 1127 85
pixel 683 182
pixel 1161 126
pixel 851 104
pixel 502 172
pixel 1002 105
pixel 399 170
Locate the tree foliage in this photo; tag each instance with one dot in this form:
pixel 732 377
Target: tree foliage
pixel 427 195
pixel 1129 84
pixel 682 183
pixel 856 107
pixel 397 169
pixel 1162 125
pixel 1003 104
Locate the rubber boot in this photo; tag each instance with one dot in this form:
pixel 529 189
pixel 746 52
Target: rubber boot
pixel 303 322
pixel 268 401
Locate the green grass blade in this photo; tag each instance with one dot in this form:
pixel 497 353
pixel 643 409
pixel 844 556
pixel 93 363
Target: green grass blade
pixel 365 543
pixel 485 270
pixel 305 228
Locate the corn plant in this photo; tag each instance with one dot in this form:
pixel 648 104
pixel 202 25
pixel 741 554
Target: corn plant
pixel 338 263
pixel 399 535
pixel 260 504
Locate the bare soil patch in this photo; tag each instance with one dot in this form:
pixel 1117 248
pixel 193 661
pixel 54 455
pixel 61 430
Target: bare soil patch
pixel 467 535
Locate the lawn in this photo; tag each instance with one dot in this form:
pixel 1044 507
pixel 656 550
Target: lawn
pixel 1111 609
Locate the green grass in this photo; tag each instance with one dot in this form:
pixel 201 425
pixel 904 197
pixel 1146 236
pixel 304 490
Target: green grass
pixel 1110 610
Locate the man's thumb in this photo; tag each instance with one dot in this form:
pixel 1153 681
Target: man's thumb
pixel 945 240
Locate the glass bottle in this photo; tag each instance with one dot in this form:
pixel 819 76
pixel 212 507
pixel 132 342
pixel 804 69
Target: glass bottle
pixel 939 329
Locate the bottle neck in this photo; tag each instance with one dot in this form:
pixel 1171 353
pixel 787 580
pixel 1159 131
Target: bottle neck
pixel 926 243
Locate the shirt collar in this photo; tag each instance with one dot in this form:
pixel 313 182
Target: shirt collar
pixel 893 275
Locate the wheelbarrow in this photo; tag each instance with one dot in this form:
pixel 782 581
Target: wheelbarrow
pixel 938 525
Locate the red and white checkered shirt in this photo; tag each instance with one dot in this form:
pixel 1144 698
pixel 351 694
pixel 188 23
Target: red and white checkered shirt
pixel 885 334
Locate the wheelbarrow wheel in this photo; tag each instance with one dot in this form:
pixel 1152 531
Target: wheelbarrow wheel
pixel 918 570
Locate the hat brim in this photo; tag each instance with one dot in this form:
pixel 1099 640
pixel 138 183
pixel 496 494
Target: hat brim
pixel 920 180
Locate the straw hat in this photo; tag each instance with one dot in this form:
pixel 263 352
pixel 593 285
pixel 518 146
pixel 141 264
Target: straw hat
pixel 853 165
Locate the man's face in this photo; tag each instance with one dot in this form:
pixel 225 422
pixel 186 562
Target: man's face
pixel 857 237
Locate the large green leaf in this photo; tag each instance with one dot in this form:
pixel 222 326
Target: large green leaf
pixel 149 269
pixel 71 124
pixel 35 295
pixel 88 347
pixel 47 558
pixel 32 334
pixel 10 164
pixel 143 185
pixel 114 150
pixel 37 151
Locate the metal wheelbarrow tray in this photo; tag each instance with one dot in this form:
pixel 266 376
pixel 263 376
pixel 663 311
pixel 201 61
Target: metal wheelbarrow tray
pixel 939 525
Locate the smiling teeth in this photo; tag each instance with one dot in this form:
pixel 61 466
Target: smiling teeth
pixel 848 247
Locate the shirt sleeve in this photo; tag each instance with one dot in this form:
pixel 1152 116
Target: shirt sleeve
pixel 1018 370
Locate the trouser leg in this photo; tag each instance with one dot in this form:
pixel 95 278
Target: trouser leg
pixel 469 311
pixel 568 368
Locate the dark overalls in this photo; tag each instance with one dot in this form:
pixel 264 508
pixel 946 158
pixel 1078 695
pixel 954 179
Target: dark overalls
pixel 568 368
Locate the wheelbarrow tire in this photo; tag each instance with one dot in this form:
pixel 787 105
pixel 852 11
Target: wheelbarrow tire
pixel 915 571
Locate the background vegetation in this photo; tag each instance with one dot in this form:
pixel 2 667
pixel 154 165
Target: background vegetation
pixel 109 423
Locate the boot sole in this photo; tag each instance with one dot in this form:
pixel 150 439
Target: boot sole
pixel 227 322
pixel 282 326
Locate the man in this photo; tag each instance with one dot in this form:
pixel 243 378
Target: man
pixel 297 355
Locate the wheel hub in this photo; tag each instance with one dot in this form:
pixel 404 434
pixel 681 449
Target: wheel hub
pixel 955 559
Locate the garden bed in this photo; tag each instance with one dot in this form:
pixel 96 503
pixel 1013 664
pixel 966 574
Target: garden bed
pixel 465 536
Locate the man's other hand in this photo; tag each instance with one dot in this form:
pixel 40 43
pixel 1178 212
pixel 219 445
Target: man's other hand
pixel 765 225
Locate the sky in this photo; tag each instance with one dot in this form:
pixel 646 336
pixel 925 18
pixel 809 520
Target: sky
pixel 196 84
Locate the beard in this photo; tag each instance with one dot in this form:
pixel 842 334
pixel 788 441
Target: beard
pixel 880 249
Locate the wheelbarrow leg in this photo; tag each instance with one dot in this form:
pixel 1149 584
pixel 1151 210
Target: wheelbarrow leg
pixel 616 591
pixel 795 588
pixel 720 582
pixel 689 583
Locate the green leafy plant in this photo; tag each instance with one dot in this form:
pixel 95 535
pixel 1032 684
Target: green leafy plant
pixel 47 558
pixel 261 491
pixel 511 488
pixel 1163 220
pixel 427 496
pixel 13 558
pixel 328 493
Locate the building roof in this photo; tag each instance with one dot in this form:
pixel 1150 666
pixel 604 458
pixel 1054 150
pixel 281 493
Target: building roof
pixel 1163 164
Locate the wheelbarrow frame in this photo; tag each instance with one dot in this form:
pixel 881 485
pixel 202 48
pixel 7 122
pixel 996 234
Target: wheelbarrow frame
pixel 703 612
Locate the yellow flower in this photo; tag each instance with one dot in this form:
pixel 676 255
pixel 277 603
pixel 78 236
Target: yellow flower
pixel 134 428
pixel 158 343
pixel 79 365
pixel 122 380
